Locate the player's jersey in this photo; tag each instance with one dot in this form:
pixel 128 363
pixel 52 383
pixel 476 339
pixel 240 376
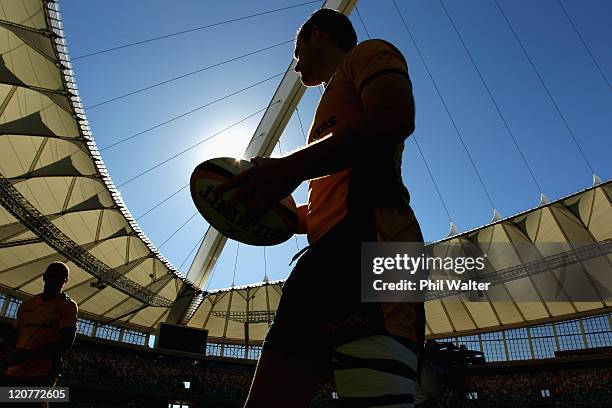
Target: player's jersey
pixel 40 323
pixel 376 184
pixel 372 193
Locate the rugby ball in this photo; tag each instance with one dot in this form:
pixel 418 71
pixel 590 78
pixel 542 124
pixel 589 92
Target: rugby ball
pixel 276 225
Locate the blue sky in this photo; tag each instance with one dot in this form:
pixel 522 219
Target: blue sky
pixel 462 109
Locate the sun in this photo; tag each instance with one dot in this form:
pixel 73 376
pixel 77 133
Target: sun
pixel 224 143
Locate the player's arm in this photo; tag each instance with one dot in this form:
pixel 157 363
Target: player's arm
pixel 10 340
pixel 67 336
pixel 21 355
pixel 388 120
pixel 7 345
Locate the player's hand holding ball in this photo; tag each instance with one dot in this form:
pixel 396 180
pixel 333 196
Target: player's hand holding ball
pixel 259 187
pixel 248 201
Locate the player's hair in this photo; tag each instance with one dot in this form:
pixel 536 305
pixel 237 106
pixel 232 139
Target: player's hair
pixel 57 269
pixel 335 24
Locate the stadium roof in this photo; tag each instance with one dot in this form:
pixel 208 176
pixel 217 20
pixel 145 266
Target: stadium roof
pixel 58 203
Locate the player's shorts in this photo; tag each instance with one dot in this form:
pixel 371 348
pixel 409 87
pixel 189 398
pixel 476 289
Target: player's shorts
pixel 321 309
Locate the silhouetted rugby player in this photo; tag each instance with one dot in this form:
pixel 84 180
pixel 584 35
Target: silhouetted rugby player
pixel 44 328
pixel 352 161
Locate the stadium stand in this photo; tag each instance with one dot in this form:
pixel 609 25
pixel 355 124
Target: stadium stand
pixel 563 383
pixel 110 373
pixel 106 372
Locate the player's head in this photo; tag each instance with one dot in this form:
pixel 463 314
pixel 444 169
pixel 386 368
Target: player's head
pixel 325 33
pixel 55 276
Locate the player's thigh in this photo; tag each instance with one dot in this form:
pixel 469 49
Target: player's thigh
pixel 284 379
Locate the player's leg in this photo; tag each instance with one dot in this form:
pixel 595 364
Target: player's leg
pixel 378 370
pixel 284 379
pixel 375 371
pixel 295 361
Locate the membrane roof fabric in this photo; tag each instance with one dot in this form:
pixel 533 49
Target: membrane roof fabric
pixel 583 220
pixel 224 312
pixel 58 203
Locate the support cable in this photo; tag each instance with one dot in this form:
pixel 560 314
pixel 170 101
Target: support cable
pixel 211 276
pixel 191 252
pixel 443 103
pixel 161 202
pixel 297 110
pixel 182 115
pixel 533 177
pixel 148 40
pixel 178 229
pixel 552 100
pixel 195 145
pixel 235 263
pixel 265 265
pixel 585 45
pixel 362 22
pixel 422 156
pixel 167 81
pixel 432 179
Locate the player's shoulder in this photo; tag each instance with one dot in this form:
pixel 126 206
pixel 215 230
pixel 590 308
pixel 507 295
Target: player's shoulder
pixel 32 300
pixel 374 46
pixel 68 302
